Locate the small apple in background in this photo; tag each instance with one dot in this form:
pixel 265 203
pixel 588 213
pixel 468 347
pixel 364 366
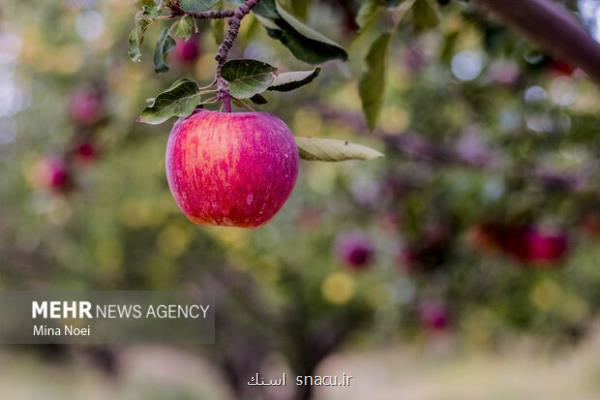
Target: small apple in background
pixel 231 168
pixel 85 151
pixel 528 244
pixel 434 315
pixel 544 247
pixel 53 174
pixel 562 68
pixel 86 106
pixel 355 250
pixel 186 52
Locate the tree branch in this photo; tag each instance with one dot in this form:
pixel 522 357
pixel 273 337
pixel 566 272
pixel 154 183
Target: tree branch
pixel 421 149
pixel 221 57
pixel 553 28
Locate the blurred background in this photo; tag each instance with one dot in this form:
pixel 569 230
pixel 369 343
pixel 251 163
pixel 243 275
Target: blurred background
pixel 463 265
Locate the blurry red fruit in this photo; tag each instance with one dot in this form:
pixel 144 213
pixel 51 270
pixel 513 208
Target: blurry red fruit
pixel 187 51
pixel 434 315
pixel 545 247
pixel 231 169
pixel 355 250
pixel 562 68
pixel 86 106
pixel 85 151
pixel 54 175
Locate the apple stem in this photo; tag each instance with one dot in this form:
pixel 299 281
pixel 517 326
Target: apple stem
pixel 227 102
pixel 223 51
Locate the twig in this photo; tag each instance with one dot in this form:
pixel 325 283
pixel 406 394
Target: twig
pixel 223 51
pixel 552 27
pixel 213 14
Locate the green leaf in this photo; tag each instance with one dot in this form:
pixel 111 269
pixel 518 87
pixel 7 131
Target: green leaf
pixel 426 14
pixel 179 100
pixel 317 149
pixel 372 84
pixel 258 99
pixel 248 77
pixel 185 28
pixel 288 81
pixel 305 43
pixel 368 11
pixel 136 37
pixel 164 45
pixel 195 6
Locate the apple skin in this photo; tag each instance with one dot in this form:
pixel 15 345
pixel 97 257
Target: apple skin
pixel 355 250
pixel 231 169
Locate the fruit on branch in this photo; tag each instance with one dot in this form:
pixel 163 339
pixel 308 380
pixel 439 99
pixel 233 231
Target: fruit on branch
pixel 434 315
pixel 186 52
pixel 355 250
pixel 86 106
pixel 53 174
pixel 85 151
pixel 524 243
pixel 231 169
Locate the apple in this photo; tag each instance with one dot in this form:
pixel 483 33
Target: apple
pixel 86 106
pixel 186 51
pixel 562 68
pixel 524 243
pixel 231 169
pixel 85 151
pixel 355 250
pixel 54 174
pixel 545 246
pixel 434 315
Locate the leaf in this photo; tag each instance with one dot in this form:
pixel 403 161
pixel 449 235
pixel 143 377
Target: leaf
pixel 164 45
pixel 368 11
pixel 195 6
pixel 258 99
pixel 180 100
pixel 305 43
pixel 317 149
pixel 184 28
pixel 426 14
pixel 247 77
pixel 136 37
pixel 288 81
pixel 372 83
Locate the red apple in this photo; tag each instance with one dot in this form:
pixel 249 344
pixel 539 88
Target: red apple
pixel 86 106
pixel 562 68
pixel 434 315
pixel 545 247
pixel 231 169
pixel 85 151
pixel 355 250
pixel 54 175
pixel 186 51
